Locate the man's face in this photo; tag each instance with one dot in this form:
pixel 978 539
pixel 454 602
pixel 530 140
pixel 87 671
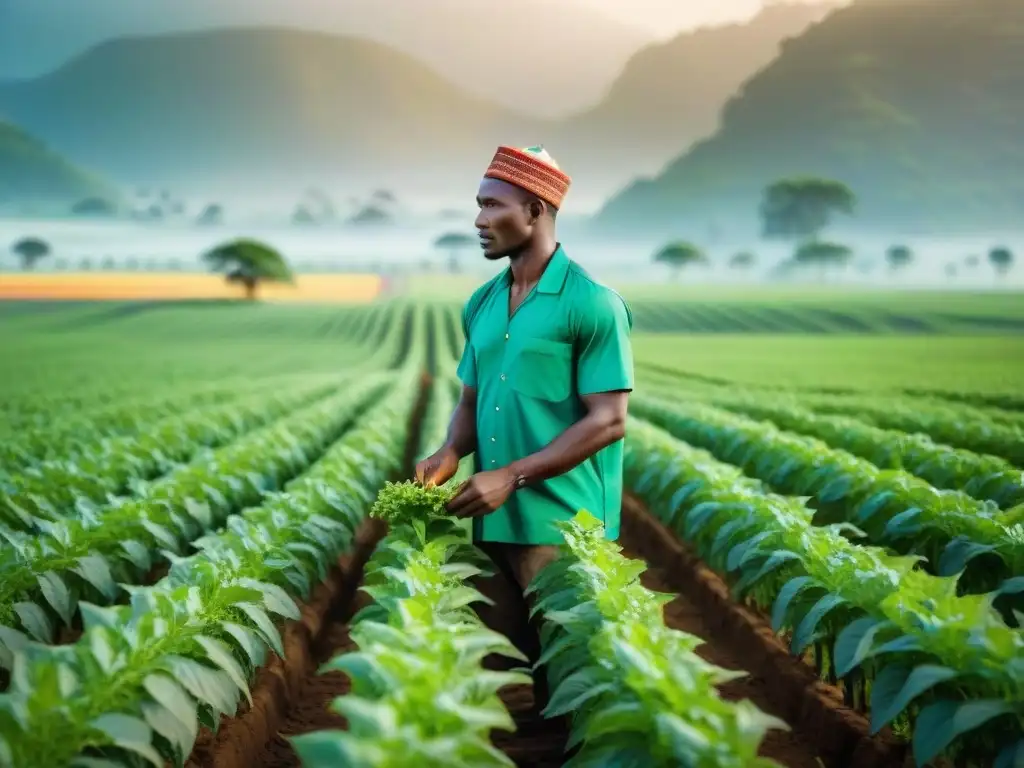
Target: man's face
pixel 505 222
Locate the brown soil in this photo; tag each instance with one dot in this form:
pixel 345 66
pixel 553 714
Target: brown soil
pixel 280 686
pixel 534 746
pixel 738 638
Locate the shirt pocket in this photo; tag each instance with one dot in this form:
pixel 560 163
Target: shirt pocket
pixel 543 369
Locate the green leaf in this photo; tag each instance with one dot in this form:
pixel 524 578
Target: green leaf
pixel 99 616
pixel 168 726
pixel 853 644
pixel 1012 756
pixel 326 749
pixel 35 621
pixel 99 646
pixel 958 553
pixel 129 733
pixel 805 632
pixel 57 595
pixel 210 686
pixel 264 625
pixel 786 595
pixel 940 723
pixel 96 571
pixel 220 655
pixel 275 599
pixel 897 685
pixel 170 695
pixel 138 554
pixel 572 688
pixel 248 640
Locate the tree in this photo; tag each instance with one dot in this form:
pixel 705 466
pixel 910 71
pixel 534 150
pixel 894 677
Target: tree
pixel 742 260
pixel 248 262
pixel 680 254
pixel 453 242
pixel 94 206
pixel 972 262
pixel 1001 259
pixel 800 208
pixel 899 256
pixel 30 250
pixel 212 215
pixel 822 255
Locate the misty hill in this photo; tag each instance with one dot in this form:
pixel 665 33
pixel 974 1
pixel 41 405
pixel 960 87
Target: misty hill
pixel 232 109
pixel 670 94
pixel 574 50
pixel 916 104
pixel 30 172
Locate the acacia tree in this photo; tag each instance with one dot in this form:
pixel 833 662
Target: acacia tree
pixel 899 256
pixel 454 243
pixel 742 260
pixel 800 208
pixel 30 250
pixel 824 256
pixel 248 262
pixel 1001 260
pixel 678 255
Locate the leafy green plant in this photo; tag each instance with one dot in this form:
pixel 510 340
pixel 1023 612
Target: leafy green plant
pixel 946 665
pixel 981 476
pixel 419 693
pixel 60 487
pixel 43 578
pixel 892 506
pixel 637 692
pixel 143 677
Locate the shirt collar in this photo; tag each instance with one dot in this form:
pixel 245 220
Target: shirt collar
pixel 554 273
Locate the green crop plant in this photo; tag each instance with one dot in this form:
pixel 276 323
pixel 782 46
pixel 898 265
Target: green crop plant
pixel 948 665
pixel 44 577
pixel 982 476
pixel 637 692
pixel 893 507
pixel 135 687
pixel 60 487
pixel 419 693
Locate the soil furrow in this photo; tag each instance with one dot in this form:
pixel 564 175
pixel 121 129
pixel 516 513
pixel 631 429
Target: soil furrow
pixel 738 638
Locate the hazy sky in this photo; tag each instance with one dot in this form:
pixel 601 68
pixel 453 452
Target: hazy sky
pixel 668 17
pixel 36 34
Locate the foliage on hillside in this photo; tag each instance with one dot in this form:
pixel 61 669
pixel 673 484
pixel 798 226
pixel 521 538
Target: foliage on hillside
pixel 870 96
pixel 32 171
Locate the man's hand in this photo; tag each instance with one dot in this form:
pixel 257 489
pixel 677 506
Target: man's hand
pixel 438 468
pixel 483 493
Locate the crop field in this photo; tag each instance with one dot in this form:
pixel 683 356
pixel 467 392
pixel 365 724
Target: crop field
pixel 209 556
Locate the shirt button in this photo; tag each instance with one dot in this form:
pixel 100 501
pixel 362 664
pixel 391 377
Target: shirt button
pixel 497 408
pixel 503 377
pixel 493 439
pixel 506 337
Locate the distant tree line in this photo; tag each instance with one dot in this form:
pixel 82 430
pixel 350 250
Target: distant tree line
pixel 798 210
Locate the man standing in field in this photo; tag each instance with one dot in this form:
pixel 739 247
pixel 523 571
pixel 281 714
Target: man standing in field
pixel 546 369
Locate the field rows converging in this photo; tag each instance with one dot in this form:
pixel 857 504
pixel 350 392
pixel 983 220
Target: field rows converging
pixel 211 555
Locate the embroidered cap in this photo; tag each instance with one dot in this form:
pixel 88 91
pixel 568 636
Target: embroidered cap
pixel 532 169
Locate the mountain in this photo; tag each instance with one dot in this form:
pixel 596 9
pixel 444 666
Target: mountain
pixel 916 104
pixel 252 109
pixel 547 57
pixel 670 94
pixel 32 173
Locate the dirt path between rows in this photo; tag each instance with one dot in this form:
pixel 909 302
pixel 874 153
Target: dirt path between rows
pixel 822 727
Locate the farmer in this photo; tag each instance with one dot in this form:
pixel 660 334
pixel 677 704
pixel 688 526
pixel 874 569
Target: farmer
pixel 546 370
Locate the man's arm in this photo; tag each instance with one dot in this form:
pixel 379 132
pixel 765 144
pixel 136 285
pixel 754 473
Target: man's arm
pixel 603 424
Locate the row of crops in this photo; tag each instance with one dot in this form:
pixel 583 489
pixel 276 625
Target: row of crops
pixel 701 317
pixel 162 520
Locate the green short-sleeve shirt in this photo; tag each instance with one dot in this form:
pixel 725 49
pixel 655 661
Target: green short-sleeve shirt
pixel 570 337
